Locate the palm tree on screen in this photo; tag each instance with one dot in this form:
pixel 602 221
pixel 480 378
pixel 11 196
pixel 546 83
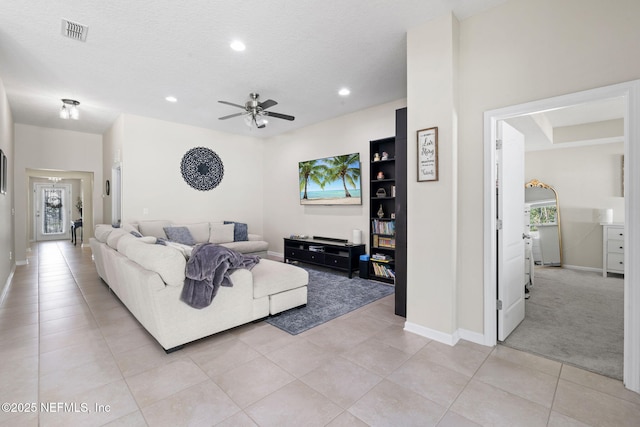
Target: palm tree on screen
pixel 311 171
pixel 345 168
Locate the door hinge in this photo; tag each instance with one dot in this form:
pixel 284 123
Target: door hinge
pixel 498 144
pixel 499 224
pixel 499 304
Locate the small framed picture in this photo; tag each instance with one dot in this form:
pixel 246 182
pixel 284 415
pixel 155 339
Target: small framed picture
pixel 3 173
pixel 428 154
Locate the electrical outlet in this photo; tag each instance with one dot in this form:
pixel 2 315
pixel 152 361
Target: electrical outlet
pixel 145 211
pixel 10 255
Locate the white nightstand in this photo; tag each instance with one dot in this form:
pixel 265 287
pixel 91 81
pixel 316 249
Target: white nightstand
pixel 612 248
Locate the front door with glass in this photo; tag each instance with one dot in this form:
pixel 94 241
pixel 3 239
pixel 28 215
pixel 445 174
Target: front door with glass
pixel 52 211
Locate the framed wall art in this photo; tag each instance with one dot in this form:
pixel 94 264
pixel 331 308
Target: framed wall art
pixel 202 168
pixel 428 154
pixel 3 173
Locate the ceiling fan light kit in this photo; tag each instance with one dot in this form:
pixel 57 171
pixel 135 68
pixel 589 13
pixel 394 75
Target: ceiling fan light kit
pixel 69 109
pixel 255 113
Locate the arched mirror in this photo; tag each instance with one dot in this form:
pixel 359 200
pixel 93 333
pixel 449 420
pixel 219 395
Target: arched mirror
pixel 541 200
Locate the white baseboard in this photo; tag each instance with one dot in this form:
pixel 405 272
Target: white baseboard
pixel 474 337
pixel 22 262
pixel 278 255
pixel 432 334
pixel 449 339
pixel 579 267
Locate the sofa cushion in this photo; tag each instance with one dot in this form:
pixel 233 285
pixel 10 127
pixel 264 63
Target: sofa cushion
pixel 124 242
pixel 180 235
pixel 199 231
pixel 272 277
pixel 240 231
pixel 153 228
pixel 221 233
pixel 102 232
pixel 168 262
pixel 130 228
pixel 248 246
pixel 115 235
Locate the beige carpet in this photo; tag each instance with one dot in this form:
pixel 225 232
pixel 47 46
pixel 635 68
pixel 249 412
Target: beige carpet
pixel 575 317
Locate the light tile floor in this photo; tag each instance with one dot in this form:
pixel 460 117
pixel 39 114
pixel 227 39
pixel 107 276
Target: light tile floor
pixel 67 342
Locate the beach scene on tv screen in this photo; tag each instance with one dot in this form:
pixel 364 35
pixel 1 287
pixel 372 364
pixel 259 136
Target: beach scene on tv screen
pixel 331 181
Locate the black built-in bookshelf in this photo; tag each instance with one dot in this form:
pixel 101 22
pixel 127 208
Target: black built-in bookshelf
pixel 388 203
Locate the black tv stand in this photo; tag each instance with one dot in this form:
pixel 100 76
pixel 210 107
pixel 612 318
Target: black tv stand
pixel 330 239
pixel 338 254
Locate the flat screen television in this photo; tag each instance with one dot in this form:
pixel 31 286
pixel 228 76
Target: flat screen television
pixel 330 181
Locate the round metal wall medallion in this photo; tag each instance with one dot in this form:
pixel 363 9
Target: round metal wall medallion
pixel 202 168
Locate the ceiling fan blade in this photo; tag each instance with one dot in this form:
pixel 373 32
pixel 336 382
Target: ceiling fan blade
pixel 232 104
pixel 230 116
pixel 279 116
pixel 268 104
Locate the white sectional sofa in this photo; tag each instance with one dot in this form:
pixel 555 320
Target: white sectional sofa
pixel 148 278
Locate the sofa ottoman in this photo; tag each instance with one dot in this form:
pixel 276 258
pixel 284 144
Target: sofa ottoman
pixel 281 283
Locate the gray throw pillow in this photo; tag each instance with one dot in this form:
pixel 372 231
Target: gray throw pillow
pixel 180 235
pixel 240 231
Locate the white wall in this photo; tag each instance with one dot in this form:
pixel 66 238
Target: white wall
pixel 432 219
pixel 284 215
pixel 80 154
pixel 111 155
pixel 6 200
pixel 522 51
pixel 587 179
pixel 152 182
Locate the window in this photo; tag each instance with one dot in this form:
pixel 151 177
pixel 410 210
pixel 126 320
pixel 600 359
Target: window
pixel 543 215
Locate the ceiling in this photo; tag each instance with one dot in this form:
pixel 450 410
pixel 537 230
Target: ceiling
pixel 595 122
pixel 299 53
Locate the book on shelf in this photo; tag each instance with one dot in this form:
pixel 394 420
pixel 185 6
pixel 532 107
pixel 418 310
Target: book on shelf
pixel 381 270
pixel 383 227
pixel 381 258
pixel 386 242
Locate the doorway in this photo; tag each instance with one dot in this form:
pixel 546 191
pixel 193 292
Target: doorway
pixel 629 92
pixel 80 203
pixel 52 211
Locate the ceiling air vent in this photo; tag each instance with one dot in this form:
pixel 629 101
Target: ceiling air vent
pixel 73 30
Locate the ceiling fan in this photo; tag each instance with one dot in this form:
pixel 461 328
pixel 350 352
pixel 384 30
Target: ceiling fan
pixel 255 111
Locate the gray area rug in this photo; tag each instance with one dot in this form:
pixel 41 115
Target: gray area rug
pixel 575 317
pixel 330 294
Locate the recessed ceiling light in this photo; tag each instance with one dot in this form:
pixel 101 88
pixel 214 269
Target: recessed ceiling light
pixel 344 91
pixel 171 99
pixel 238 46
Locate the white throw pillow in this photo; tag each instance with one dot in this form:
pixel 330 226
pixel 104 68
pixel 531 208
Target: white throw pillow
pixel 221 233
pixel 199 231
pixel 154 228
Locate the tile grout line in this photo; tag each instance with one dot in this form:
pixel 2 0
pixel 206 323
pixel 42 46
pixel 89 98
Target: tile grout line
pixel 122 377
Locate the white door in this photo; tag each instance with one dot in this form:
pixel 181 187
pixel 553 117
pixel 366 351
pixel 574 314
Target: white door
pixel 52 203
pixel 511 244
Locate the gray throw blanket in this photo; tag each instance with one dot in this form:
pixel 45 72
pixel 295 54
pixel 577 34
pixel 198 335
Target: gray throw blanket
pixel 208 268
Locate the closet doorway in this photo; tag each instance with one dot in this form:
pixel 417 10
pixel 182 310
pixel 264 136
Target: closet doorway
pixel 628 92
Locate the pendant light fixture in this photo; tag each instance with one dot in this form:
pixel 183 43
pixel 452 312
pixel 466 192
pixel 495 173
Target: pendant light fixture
pixel 69 109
